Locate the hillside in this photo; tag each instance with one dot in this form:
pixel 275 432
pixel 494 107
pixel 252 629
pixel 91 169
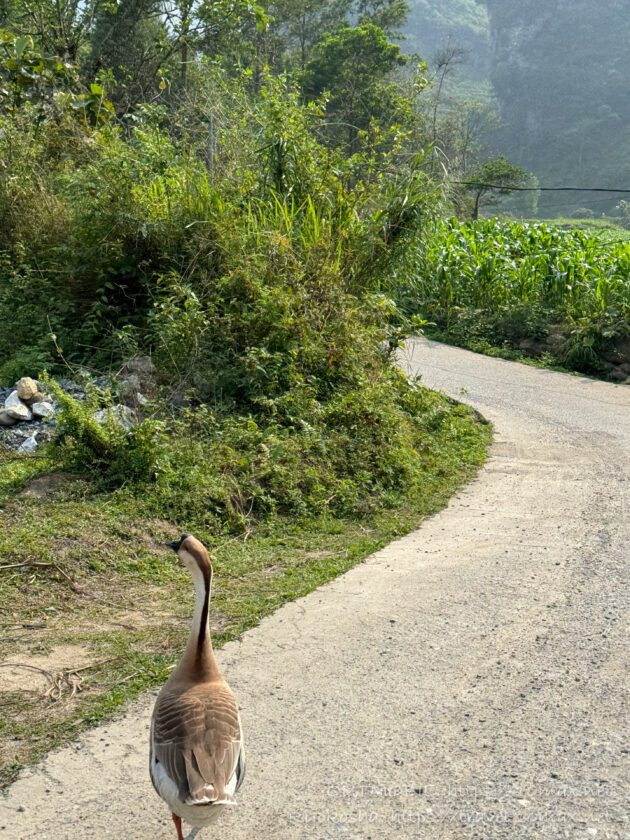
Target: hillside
pixel 559 73
pixel 431 24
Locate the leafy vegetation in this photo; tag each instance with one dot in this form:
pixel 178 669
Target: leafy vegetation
pixel 490 178
pixel 510 284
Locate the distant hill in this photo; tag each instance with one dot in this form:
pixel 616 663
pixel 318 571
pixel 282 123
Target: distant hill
pixel 559 71
pixel 434 23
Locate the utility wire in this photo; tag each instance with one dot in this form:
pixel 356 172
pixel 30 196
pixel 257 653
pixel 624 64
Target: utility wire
pixel 568 203
pixel 539 189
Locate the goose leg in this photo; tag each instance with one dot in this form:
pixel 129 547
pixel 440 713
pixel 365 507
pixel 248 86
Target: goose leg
pixel 178 825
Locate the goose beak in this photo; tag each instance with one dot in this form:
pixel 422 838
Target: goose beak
pixel 176 545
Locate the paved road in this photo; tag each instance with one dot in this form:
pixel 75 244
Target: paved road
pixel 468 681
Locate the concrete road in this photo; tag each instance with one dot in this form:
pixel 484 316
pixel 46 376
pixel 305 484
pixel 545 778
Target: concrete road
pixel 468 681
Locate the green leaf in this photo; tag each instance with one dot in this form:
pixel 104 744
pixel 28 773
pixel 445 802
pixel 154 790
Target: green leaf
pixel 22 43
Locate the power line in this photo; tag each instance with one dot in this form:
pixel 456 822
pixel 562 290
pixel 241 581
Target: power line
pixel 540 189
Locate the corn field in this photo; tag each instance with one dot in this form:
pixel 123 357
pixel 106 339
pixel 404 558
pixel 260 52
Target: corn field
pixel 503 281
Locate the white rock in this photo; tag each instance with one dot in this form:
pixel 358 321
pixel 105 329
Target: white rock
pixel 6 419
pixel 43 409
pixel 121 414
pixel 12 400
pixel 29 445
pixel 15 408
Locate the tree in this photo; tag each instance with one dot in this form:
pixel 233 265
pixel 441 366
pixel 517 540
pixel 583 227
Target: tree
pixel 141 40
pixel 130 41
pixel 28 76
pixel 354 67
pixel 496 177
pixel 465 22
pixel 60 27
pixel 388 15
pixel 300 24
pixel 445 63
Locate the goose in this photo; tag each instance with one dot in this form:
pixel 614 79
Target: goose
pixel 197 760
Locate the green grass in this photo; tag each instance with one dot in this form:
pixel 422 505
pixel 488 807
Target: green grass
pixel 607 229
pixel 89 570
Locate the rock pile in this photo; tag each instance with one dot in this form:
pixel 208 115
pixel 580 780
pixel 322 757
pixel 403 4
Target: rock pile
pixel 27 412
pixel 26 407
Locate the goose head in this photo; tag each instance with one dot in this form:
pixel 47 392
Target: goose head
pixel 193 555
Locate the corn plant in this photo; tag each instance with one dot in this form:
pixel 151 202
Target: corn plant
pixel 515 279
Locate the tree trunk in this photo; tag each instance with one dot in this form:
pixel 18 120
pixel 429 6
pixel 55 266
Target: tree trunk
pixel 476 208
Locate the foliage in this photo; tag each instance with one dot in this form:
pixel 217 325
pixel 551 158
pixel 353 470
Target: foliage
pixel 507 281
pixel 26 75
pixel 362 450
pixel 388 15
pixel 262 290
pixel 60 28
pixel 142 48
pixel 296 26
pixel 113 454
pixel 353 68
pixel 554 73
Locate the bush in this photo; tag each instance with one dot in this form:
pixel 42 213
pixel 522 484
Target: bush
pixel 262 289
pixel 366 448
pixel 240 281
pixel 583 213
pixel 110 453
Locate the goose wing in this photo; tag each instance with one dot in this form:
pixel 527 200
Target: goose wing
pixel 197 738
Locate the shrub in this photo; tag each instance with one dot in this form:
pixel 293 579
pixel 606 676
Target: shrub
pixel 262 290
pixel 112 454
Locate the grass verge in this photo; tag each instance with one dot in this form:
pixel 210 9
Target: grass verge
pixel 499 351
pixel 96 610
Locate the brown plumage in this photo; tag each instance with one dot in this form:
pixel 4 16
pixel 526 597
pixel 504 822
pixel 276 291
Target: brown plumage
pixel 197 758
